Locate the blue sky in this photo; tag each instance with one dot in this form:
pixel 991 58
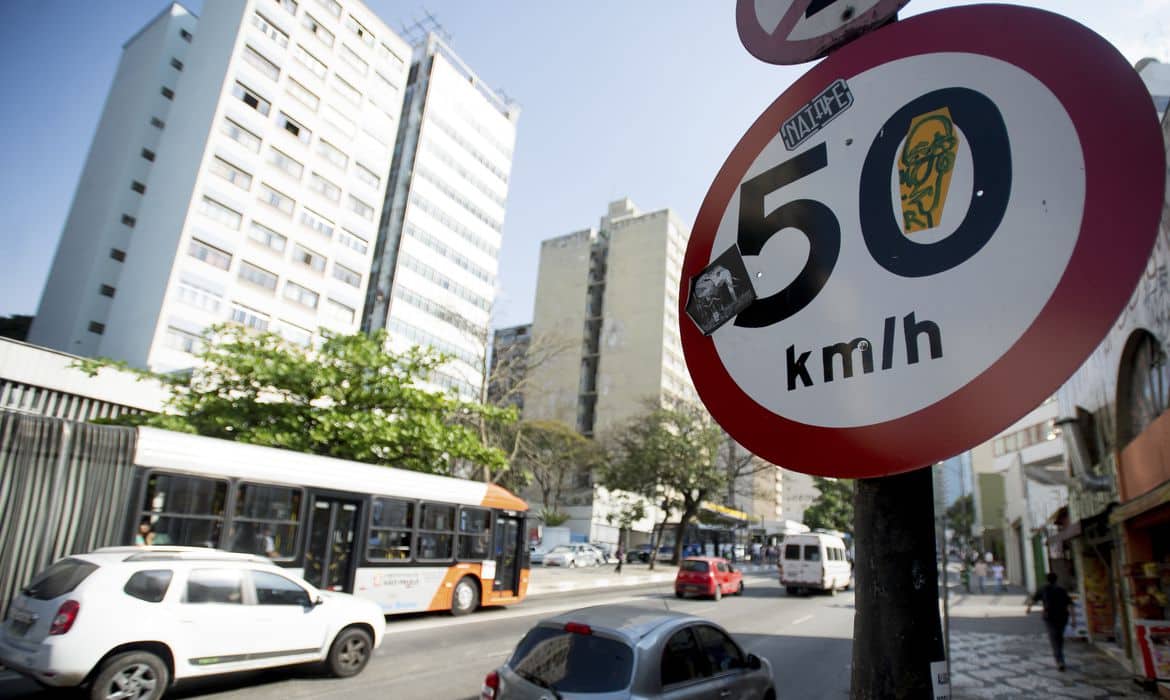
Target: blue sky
pixel 640 99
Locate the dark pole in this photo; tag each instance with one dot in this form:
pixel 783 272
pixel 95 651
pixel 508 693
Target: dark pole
pixel 896 631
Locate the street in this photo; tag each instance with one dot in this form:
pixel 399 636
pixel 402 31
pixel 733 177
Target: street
pixel 808 640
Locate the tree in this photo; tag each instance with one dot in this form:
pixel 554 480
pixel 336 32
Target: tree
pixel 552 454
pixel 833 508
pixel 961 518
pixel 351 398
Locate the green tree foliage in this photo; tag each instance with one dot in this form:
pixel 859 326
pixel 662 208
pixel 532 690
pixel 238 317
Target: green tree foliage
pixel 552 455
pixel 961 518
pixel 833 509
pixel 670 456
pixel 350 398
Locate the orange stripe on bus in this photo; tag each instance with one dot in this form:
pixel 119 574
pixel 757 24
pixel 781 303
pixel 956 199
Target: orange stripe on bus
pixel 499 497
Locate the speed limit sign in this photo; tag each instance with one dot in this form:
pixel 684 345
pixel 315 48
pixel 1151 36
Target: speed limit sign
pixel 920 240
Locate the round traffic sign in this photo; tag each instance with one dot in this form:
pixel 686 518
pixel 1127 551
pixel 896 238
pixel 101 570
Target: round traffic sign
pixel 795 31
pixel 939 223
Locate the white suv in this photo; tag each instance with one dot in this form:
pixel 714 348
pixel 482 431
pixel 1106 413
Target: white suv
pixel 128 621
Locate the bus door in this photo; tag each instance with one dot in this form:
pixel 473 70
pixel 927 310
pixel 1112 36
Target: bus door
pixel 330 548
pixel 507 548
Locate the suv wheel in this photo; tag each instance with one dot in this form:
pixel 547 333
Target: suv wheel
pixel 134 675
pixel 465 597
pixel 350 652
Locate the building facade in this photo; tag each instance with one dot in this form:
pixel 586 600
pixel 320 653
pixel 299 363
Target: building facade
pixel 434 270
pixel 509 365
pixel 237 175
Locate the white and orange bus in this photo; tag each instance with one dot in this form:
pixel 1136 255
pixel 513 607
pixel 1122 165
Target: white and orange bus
pixel 409 541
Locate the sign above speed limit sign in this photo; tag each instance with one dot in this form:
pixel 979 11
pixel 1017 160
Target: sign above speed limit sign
pixel 920 240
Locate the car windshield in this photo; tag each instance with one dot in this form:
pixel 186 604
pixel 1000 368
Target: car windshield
pixel 59 579
pixel 561 548
pixel 695 565
pixel 573 663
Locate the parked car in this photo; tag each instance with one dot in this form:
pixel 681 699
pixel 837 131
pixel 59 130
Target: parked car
pixel 130 621
pixel 573 555
pixel 709 576
pixel 605 550
pixel 536 554
pixel 666 552
pixel 617 651
pixel 640 553
pixel 814 561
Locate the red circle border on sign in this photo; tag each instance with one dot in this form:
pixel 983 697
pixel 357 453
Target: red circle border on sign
pixel 1125 165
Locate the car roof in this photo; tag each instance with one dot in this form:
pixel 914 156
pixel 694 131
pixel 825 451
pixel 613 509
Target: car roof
pixel 711 559
pixel 106 556
pixel 627 621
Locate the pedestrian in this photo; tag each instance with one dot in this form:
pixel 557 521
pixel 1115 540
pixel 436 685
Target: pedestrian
pixel 145 534
pixel 1056 604
pixel 621 556
pixel 997 575
pixel 980 572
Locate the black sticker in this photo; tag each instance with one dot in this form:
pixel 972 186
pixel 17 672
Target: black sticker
pixel 832 101
pixel 720 291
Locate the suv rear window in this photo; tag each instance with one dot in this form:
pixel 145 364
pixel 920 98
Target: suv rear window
pixel 694 565
pixel 59 579
pixel 573 663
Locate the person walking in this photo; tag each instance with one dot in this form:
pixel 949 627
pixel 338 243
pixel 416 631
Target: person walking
pixel 997 576
pixel 621 557
pixel 1056 604
pixel 980 572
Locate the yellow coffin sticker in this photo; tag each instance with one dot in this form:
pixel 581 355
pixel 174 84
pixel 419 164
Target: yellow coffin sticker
pixel 924 169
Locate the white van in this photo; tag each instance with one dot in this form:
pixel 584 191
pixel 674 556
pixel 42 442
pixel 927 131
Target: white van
pixel 814 561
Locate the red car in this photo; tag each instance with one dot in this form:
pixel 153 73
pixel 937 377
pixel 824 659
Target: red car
pixel 711 576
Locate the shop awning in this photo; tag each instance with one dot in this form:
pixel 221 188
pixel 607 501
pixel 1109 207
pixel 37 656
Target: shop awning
pixel 726 512
pixel 1153 498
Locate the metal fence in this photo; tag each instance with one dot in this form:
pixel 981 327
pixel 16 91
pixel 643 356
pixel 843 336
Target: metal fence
pixel 63 489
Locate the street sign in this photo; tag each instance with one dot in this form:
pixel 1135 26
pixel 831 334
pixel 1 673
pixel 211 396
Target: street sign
pixel 940 222
pixel 795 31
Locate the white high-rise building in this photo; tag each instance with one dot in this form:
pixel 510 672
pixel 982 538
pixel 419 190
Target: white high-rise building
pixel 237 174
pixel 434 271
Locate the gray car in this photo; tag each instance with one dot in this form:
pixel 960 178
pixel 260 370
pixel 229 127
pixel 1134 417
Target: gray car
pixel 617 651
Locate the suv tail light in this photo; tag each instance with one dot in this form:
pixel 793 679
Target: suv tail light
pixel 66 615
pixel 491 686
pixel 578 628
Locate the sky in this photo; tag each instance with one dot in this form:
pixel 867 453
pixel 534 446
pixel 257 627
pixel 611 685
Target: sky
pixel 641 99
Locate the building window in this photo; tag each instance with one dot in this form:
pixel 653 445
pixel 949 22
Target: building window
pixel 257 276
pixel 332 153
pixel 240 135
pixel 310 61
pixel 209 254
pixel 333 6
pixel 182 341
pixel 339 120
pixel 276 199
pixel 220 213
pixel 317 29
pixel 106 291
pixel 128 221
pixel 295 128
pixel 95 327
pixel 119 255
pixel 324 187
pixel 387 53
pixel 361 208
pixel 250 98
pixel 311 260
pixel 167 92
pixel 367 176
pixel 197 296
pixel 295 334
pixel 346 90
pixel 1143 390
pixel 269 30
pixel 290 6
pixel 338 313
pixel 350 277
pixel 353 241
pixel 289 165
pixel 317 222
pixel 157 123
pixel 359 31
pixel 352 58
pixel 176 64
pixel 138 187
pixel 186 35
pixel 267 237
pixel 269 69
pixel 301 295
pixel 148 154
pixel 231 173
pixel 302 94
pixel 249 318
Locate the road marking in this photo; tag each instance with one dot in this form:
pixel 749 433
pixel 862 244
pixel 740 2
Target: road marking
pixel 800 620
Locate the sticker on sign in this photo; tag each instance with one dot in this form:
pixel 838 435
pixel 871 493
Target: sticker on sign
pixel 932 256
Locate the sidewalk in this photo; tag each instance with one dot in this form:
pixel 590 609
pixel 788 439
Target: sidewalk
pixel 999 651
pixel 547 581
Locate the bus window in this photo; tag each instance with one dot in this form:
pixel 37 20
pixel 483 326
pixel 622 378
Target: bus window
pixel 391 530
pixel 182 510
pixel 436 532
pixel 474 533
pixel 265 521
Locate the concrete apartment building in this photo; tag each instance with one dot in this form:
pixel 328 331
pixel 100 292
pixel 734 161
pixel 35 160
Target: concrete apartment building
pixel 434 270
pixel 236 174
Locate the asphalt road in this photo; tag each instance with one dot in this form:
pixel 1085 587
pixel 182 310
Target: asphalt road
pixel 437 657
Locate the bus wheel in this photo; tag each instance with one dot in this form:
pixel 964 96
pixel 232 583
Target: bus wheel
pixel 465 597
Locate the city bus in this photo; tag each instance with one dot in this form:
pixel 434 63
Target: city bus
pixel 409 541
